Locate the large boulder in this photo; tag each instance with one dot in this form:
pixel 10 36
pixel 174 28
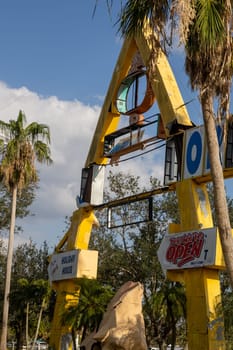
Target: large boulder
pixel 122 327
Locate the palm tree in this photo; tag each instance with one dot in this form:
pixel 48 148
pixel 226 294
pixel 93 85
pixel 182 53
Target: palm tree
pixel 209 65
pixel 24 146
pixel 87 314
pixel 167 309
pixel 30 297
pixel 205 29
pixel 42 292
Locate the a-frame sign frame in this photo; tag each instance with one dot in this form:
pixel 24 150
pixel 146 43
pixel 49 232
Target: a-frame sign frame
pixel 205 328
pixel 164 85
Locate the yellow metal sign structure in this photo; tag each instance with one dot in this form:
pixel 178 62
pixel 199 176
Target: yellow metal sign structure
pixel 205 329
pixel 67 290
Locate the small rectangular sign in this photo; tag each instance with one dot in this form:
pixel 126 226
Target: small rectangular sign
pixel 188 249
pixel 73 264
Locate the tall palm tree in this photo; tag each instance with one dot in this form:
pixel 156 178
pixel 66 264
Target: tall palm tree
pixel 20 148
pixel 87 314
pixel 167 308
pixel 209 65
pixel 42 291
pixel 205 28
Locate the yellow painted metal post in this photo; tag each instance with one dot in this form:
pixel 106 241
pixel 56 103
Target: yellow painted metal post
pixel 205 327
pixel 67 291
pixel 66 294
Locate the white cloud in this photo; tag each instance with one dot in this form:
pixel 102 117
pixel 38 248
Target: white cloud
pixel 72 125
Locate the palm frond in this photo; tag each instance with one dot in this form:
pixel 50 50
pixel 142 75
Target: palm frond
pixel 19 152
pixel 135 12
pixel 37 131
pixel 42 152
pixel 210 22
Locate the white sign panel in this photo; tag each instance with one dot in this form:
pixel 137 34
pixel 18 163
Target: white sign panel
pixel 97 186
pixel 63 265
pixel 188 249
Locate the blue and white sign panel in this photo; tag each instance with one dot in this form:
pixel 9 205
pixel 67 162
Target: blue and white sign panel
pixel 221 144
pixel 194 152
pixel 196 158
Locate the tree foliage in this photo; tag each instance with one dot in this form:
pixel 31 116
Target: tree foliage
pixel 87 314
pixel 29 287
pixel 23 205
pixel 130 253
pixel 126 253
pixel 20 147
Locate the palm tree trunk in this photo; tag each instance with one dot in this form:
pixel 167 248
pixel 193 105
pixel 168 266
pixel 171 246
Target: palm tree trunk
pixel 220 202
pixel 73 333
pixel 27 315
pixel 3 344
pixel 38 323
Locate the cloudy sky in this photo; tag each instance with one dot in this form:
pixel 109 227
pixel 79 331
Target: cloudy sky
pixel 56 63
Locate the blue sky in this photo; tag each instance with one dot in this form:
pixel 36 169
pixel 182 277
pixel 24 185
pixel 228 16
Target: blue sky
pixel 57 47
pixel 56 63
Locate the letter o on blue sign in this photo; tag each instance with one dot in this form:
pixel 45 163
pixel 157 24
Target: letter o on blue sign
pixel 194 152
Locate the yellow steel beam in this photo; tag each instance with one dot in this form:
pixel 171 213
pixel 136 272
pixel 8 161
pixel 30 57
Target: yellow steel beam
pixel 164 85
pixel 109 117
pixel 80 229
